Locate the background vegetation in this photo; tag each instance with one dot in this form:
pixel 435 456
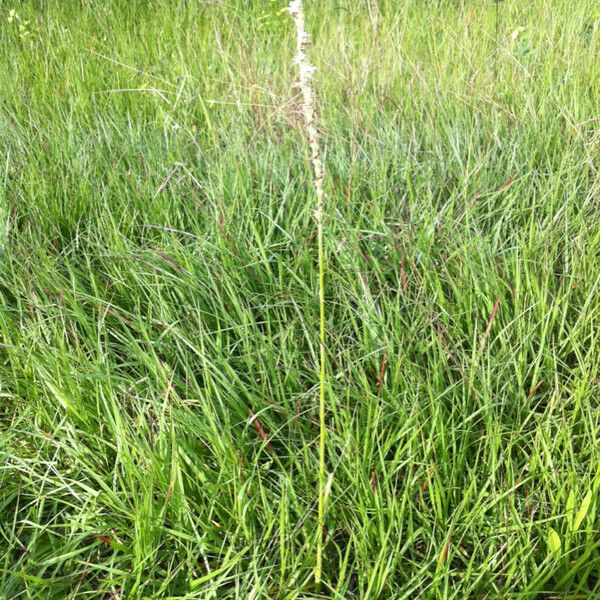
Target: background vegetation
pixel 158 283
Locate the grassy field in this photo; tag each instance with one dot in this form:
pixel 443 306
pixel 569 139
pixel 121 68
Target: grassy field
pixel 159 312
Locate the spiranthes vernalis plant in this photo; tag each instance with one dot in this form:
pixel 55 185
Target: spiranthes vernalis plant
pixel 304 83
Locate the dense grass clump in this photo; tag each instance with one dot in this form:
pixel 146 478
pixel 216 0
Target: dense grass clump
pixel 159 311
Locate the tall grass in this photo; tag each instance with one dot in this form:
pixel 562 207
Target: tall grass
pixel 158 271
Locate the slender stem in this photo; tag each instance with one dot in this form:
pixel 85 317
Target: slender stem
pixel 323 429
pixel 305 73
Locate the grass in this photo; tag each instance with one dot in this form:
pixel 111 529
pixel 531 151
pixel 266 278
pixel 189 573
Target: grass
pixel 159 315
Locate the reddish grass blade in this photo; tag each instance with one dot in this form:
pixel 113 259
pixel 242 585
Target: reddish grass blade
pixel 104 540
pixel 169 491
pixel 261 432
pixel 534 389
pixel 489 325
pixel 381 372
pixel 506 183
pixel 445 550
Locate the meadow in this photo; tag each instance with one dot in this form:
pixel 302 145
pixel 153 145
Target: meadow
pixel 159 300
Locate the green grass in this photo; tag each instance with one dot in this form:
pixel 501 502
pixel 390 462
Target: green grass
pixel 159 281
